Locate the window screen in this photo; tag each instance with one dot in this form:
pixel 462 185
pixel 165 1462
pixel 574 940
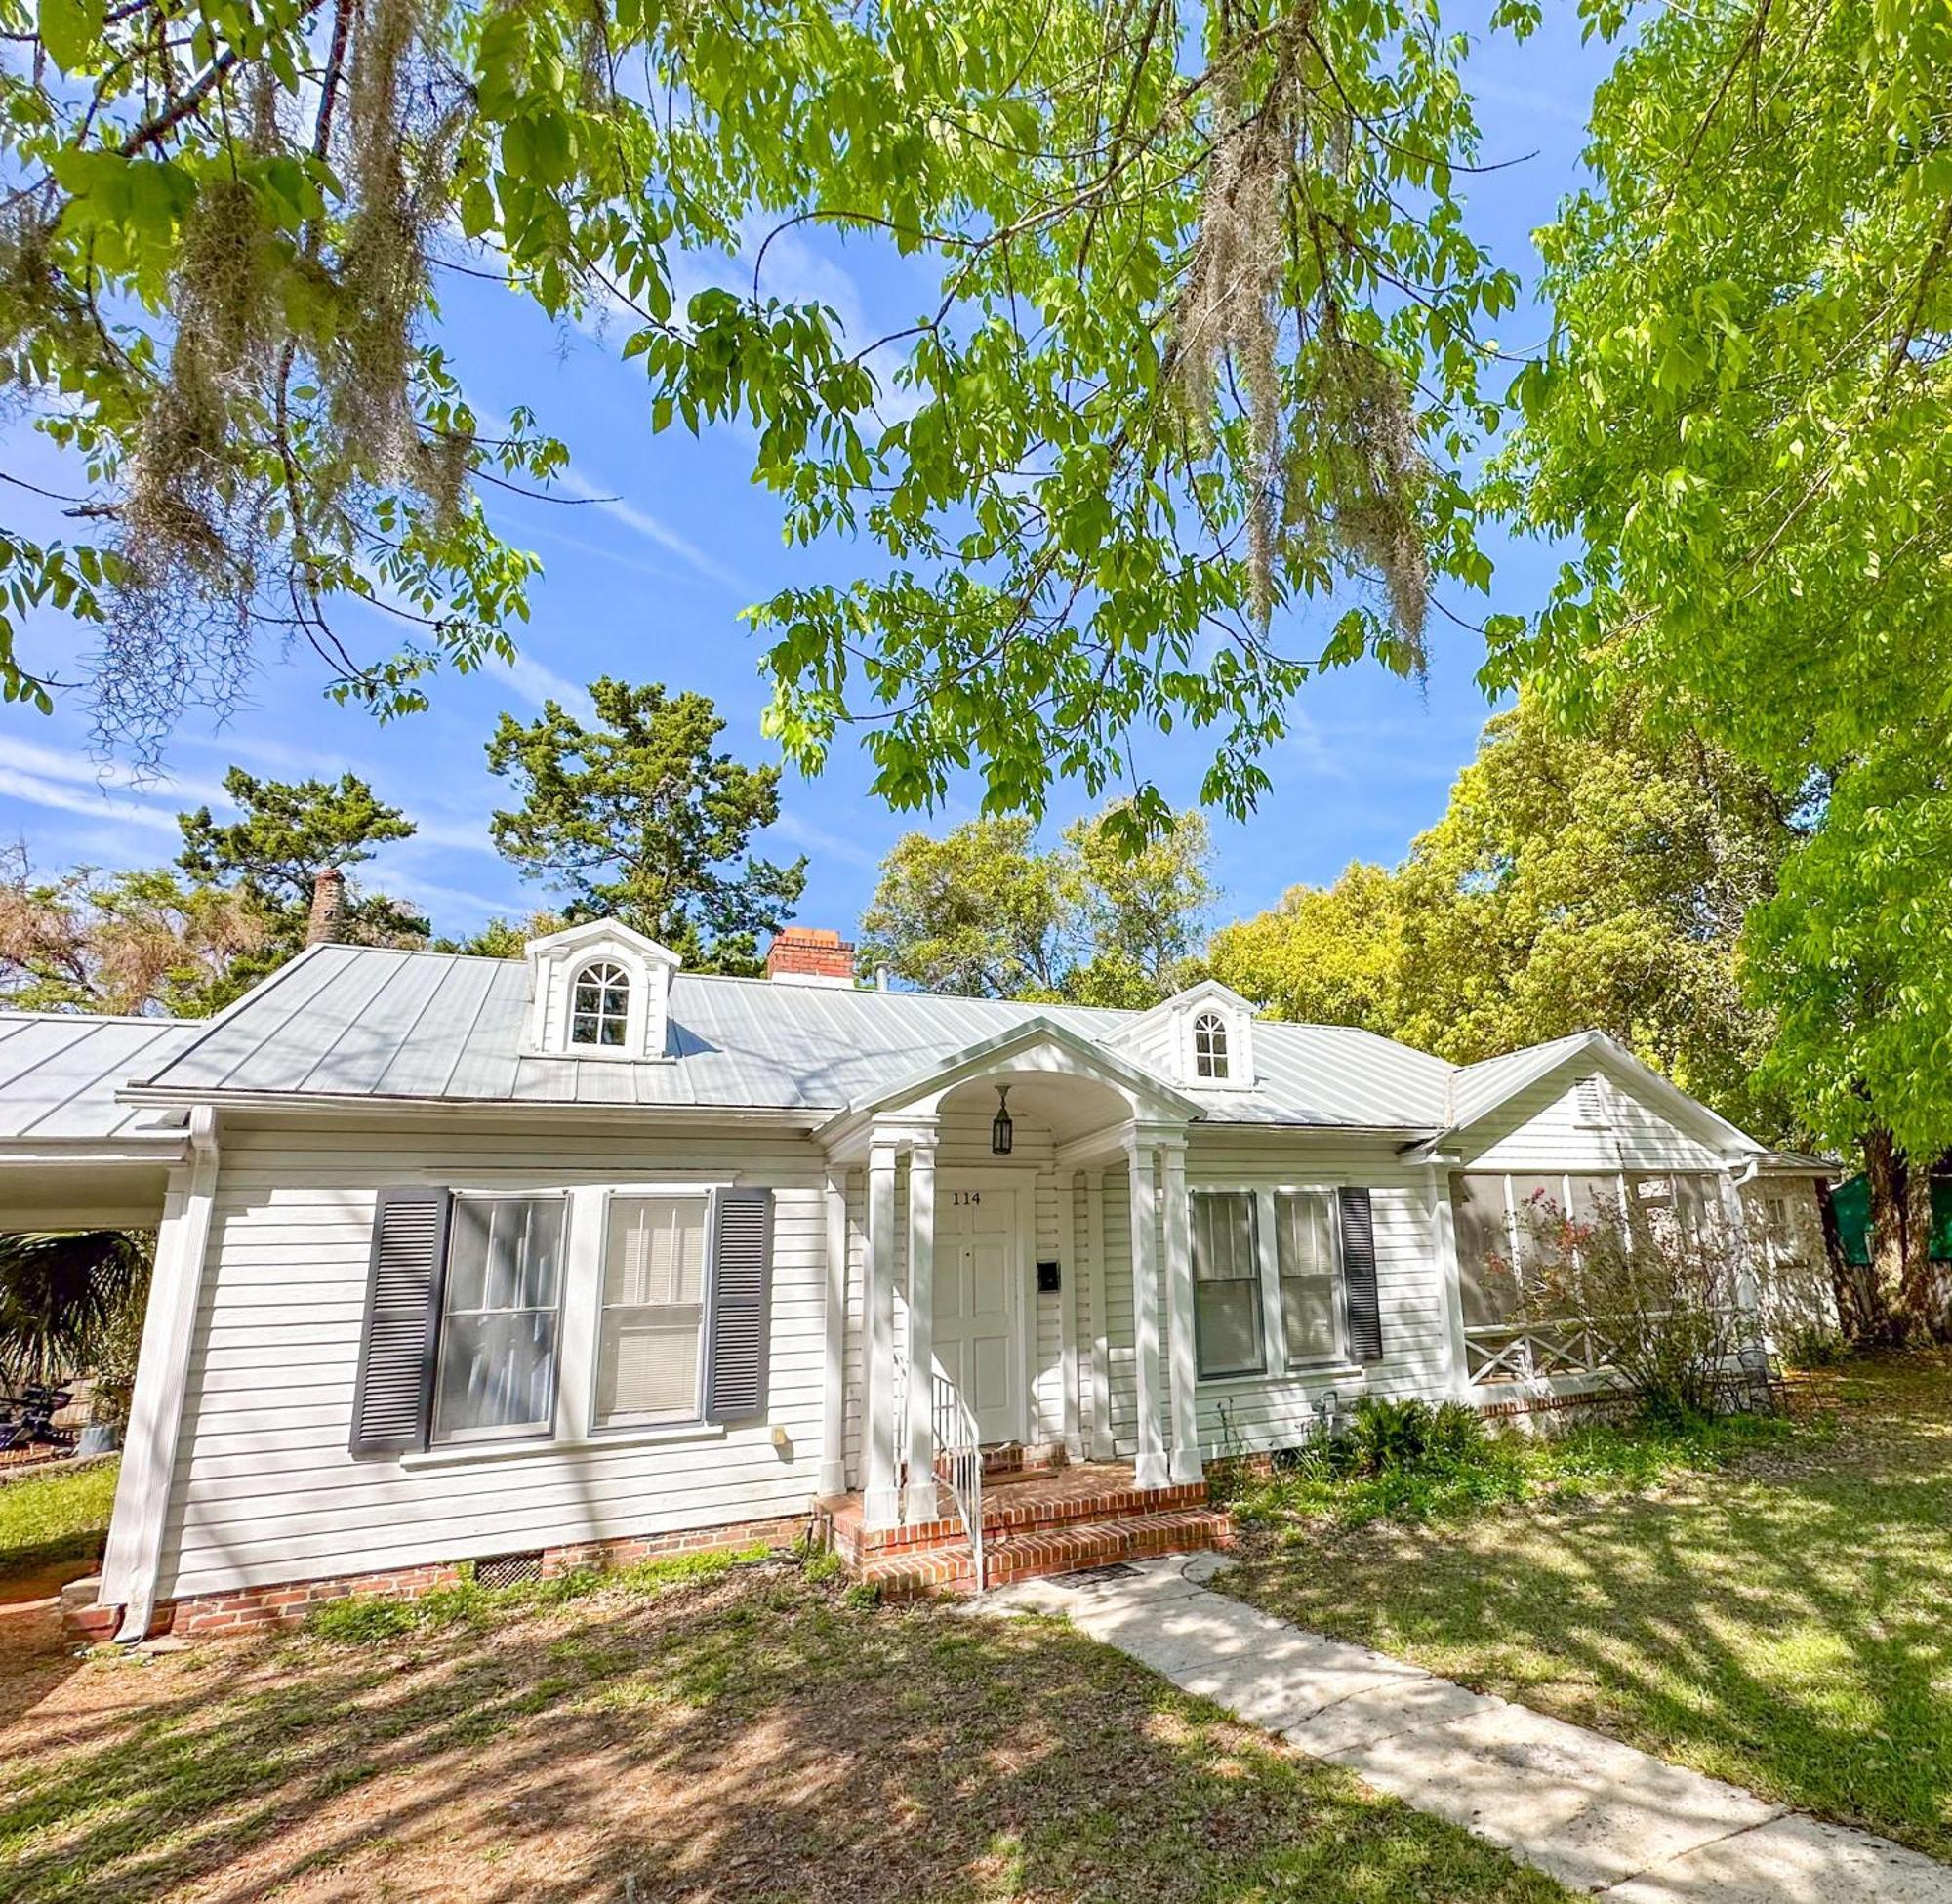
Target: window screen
pixel 647 1357
pixel 1226 1284
pixel 1305 1254
pixel 1484 1249
pixel 498 1333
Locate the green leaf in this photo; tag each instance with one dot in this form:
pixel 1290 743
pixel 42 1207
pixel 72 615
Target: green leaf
pixel 69 31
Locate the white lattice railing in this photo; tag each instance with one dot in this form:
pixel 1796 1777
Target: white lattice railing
pixel 1529 1351
pixel 958 1463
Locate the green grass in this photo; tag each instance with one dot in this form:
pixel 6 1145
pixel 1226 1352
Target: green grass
pixel 49 1519
pixel 1772 1604
pixel 369 1619
pixel 1505 1469
pixel 739 1733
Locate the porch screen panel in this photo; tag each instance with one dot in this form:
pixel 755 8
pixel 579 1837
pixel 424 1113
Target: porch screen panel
pixel 1226 1284
pixel 1305 1255
pixel 1538 1206
pixel 498 1331
pixel 1484 1249
pixel 647 1352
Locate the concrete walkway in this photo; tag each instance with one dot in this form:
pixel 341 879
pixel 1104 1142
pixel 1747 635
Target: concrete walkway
pixel 1597 1815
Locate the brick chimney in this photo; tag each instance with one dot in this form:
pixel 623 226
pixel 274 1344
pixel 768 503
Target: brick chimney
pixel 328 901
pixel 806 955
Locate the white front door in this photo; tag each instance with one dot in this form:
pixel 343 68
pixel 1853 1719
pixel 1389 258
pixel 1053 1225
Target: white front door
pixel 976 1340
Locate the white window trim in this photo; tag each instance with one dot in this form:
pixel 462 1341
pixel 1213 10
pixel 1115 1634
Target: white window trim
pixel 543 1434
pixel 605 1435
pixel 634 1009
pixel 1339 1357
pixel 1238 1028
pixel 1274 1322
pixel 452 1456
pixel 1254 1195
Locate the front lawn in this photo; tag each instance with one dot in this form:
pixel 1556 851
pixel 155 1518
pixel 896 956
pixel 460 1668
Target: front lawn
pixel 1769 1606
pixel 52 1526
pixel 726 1733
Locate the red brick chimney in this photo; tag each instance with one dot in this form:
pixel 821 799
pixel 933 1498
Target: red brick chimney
pixel 806 955
pixel 328 899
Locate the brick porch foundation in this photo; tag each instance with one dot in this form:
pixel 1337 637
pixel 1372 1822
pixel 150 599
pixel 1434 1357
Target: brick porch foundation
pixel 248 1609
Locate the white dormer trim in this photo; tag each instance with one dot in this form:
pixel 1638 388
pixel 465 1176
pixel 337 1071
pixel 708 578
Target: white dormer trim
pixel 557 961
pixel 1169 1035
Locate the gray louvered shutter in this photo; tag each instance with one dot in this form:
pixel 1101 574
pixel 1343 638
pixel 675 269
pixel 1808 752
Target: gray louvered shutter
pixel 397 1352
pixel 741 1274
pixel 1359 1273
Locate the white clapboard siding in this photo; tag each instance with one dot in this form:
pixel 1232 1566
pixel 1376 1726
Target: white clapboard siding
pixel 1539 1131
pixel 264 1488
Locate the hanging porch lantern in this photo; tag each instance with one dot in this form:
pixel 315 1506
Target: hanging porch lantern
pixel 1002 1132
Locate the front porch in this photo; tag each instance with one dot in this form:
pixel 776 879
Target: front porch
pixel 1024 1282
pixel 1038 1518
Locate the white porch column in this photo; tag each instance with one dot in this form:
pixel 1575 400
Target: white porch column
pixel 1068 1351
pixel 834 1368
pixel 1450 1280
pixel 880 1504
pixel 1185 1467
pixel 1102 1448
pixel 920 1500
pixel 131 1563
pixel 1149 1468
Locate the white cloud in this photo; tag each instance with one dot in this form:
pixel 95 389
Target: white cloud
pixel 652 530
pixel 536 682
pixel 803 833
pixel 72 765
pixel 1528 99
pixel 33 790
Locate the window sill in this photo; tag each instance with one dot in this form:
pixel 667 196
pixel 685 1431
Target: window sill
pixel 601 1442
pixel 1310 1372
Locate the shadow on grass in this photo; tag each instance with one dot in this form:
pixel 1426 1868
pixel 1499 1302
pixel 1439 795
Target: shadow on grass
pixel 754 1738
pixel 1785 1623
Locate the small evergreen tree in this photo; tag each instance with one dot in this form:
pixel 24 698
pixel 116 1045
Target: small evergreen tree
pixel 636 818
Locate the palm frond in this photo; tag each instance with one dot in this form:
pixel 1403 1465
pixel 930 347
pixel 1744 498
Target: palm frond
pixel 61 1294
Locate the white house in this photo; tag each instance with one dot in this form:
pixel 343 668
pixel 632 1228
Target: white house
pixel 535 1261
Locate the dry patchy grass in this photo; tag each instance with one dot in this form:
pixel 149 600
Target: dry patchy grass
pixel 1783 1621
pixel 751 1736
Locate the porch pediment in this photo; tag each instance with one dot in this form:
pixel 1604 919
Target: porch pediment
pixel 1039 1051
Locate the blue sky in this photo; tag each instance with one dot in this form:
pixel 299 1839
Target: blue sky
pixel 649 587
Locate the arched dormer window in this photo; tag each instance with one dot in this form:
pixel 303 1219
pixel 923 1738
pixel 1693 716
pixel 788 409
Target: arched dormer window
pixel 599 1010
pixel 1209 1045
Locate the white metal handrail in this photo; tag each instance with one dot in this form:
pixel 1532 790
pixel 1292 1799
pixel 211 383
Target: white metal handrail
pixel 958 1463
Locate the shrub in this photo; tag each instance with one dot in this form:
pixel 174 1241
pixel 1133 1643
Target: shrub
pixel 1814 1345
pixel 1658 1298
pixel 1384 1435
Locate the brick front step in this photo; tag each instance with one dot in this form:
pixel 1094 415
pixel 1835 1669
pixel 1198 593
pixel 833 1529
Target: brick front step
pixel 1083 1493
pixel 908 1573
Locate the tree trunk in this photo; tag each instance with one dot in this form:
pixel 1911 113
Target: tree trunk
pixel 1860 1315
pixel 1886 1177
pixel 1922 1295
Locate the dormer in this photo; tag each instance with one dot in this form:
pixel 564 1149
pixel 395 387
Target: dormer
pixel 1202 1038
pixel 599 990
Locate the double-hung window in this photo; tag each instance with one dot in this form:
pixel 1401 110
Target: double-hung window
pixel 496 1374
pixel 649 1351
pixel 1226 1285
pixel 1305 1256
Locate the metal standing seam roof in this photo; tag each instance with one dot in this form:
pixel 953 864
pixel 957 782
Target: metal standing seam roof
pixel 59 1072
pixel 1478 1088
pixel 367 1022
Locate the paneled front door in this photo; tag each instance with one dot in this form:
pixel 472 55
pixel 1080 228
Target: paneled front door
pixel 977 1340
